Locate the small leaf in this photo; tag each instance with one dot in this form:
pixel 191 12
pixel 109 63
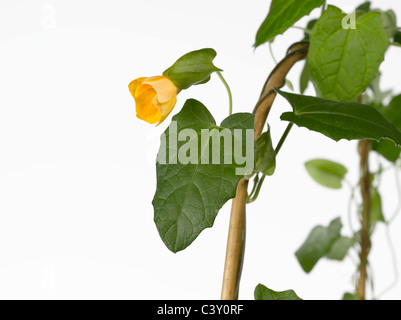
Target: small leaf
pixel 364 7
pixel 350 296
pixel 389 20
pixel 393 111
pixel 309 27
pixel 339 120
pixel 386 148
pixel 397 37
pixel 343 61
pixel 378 94
pixel 376 211
pixel 265 155
pixel 192 68
pixel 318 244
pixel 264 293
pixel 282 15
pixel 289 84
pixel 190 194
pixel 340 248
pixel 327 173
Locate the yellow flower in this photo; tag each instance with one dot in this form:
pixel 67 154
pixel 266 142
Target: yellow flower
pixel 155 98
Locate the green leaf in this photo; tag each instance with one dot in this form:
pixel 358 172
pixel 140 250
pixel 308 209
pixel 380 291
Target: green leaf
pixel 305 78
pixel 192 68
pixel 364 7
pixel 282 15
pixel 351 296
pixel 386 148
pixel 309 27
pixel 393 111
pixel 397 37
pixel 327 173
pixel 378 94
pixel 339 120
pixel 389 20
pixel 265 160
pixel 318 244
pixel 264 293
pixel 340 248
pixel 289 84
pixel 190 192
pixel 343 61
pixel 376 211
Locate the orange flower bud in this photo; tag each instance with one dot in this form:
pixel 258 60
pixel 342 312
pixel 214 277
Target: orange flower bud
pixel 155 98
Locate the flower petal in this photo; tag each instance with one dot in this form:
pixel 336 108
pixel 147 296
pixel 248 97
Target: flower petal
pixel 144 95
pixel 166 108
pixel 164 87
pixel 155 98
pixel 133 85
pixel 148 112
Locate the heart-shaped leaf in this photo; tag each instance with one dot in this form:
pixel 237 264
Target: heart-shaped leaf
pixel 191 189
pixel 345 58
pixel 318 244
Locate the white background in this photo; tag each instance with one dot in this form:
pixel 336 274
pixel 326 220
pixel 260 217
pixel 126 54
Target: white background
pixel 77 172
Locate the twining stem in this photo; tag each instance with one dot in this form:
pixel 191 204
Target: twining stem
pixel 256 189
pixel 258 183
pixel 364 149
pixel 230 97
pixel 236 233
pixel 283 137
pixel 272 53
